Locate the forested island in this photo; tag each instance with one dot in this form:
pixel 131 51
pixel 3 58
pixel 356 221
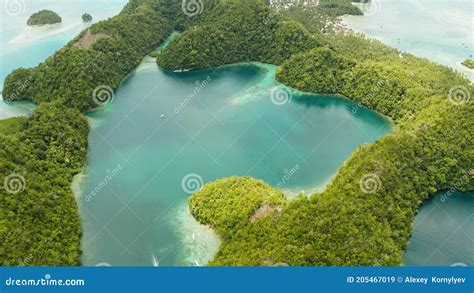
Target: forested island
pixel 429 150
pixel 469 63
pixel 44 17
pixel 86 17
pixel 337 8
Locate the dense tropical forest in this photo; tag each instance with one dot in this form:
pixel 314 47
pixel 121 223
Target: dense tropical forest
pixel 237 32
pixel 44 17
pixel 365 215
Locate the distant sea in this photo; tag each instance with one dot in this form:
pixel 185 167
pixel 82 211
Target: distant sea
pixel 23 46
pixel 440 30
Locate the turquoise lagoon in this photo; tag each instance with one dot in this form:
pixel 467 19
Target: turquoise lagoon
pixel 168 133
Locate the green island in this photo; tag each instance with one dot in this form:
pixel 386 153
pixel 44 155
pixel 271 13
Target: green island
pixel 43 17
pixel 469 63
pixel 365 215
pixel 86 17
pixel 337 8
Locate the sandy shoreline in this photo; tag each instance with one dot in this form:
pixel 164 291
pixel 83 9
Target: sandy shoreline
pixel 37 33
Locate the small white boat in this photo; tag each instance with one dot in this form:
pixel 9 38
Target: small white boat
pixel 156 263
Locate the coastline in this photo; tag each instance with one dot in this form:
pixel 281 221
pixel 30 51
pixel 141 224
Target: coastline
pixel 384 29
pixel 292 193
pixel 15 109
pixel 37 33
pixel 200 243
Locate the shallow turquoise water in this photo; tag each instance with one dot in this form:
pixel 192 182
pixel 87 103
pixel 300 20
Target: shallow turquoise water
pixel 438 30
pixel 22 46
pixel 230 127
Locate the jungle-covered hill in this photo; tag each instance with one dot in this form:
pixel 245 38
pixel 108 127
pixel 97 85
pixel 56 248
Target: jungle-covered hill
pixel 43 17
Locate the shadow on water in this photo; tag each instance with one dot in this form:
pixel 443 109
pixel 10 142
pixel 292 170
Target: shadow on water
pixel 443 233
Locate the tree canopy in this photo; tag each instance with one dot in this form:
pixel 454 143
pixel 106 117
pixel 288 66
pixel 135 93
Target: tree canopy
pixel 86 17
pixel 44 17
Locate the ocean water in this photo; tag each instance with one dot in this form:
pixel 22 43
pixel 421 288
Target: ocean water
pixel 443 233
pixel 23 46
pixel 440 30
